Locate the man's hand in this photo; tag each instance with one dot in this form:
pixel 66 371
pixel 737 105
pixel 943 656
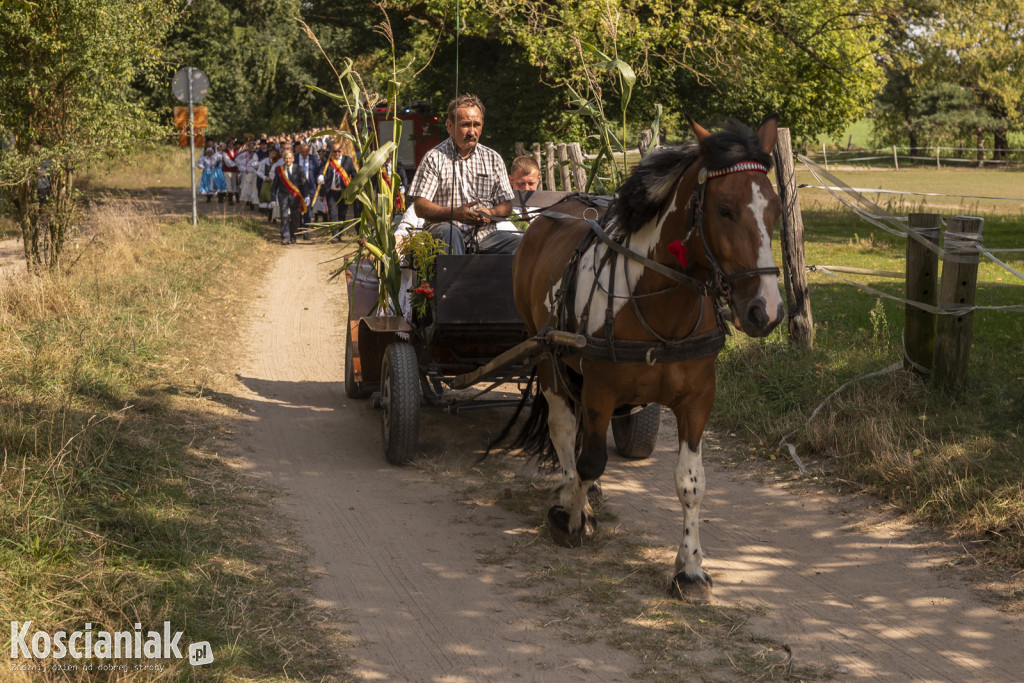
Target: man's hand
pixel 472 214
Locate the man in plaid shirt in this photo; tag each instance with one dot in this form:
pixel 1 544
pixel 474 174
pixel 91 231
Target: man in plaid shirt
pixel 461 188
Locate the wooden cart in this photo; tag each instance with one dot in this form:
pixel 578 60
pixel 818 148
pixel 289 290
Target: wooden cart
pixel 475 336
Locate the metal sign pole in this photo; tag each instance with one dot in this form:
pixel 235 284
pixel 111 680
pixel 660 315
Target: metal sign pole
pixel 192 150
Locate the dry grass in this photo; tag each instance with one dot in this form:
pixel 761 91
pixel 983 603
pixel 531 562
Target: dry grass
pixel 115 507
pixel 151 167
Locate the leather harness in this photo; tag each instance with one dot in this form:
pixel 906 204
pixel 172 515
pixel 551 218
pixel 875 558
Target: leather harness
pixel 718 288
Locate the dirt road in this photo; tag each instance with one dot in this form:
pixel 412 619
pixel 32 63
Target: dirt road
pixel 410 568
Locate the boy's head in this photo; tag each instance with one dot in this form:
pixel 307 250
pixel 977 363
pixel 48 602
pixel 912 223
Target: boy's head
pixel 525 173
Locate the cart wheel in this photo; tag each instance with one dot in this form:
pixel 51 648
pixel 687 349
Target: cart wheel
pixel 353 389
pixel 636 434
pixel 400 396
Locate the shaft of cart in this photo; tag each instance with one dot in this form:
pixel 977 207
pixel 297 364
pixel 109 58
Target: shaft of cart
pixel 531 347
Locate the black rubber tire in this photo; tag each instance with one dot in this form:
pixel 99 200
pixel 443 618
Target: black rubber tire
pixel 353 389
pixel 400 395
pixel 635 435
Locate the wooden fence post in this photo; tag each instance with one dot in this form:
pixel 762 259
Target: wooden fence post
pixel 563 167
pixel 922 287
pixel 549 165
pixel 538 159
pixel 794 267
pixel 957 291
pixel 578 166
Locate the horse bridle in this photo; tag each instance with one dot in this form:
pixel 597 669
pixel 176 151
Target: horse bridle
pixel 721 282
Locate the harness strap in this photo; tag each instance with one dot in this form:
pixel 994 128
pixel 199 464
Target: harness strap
pixel 650 264
pixel 639 351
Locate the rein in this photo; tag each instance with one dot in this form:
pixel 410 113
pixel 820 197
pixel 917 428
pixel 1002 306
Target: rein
pixel 718 288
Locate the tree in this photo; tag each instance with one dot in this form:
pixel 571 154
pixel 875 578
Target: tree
pixel 67 66
pixel 973 53
pixel 812 60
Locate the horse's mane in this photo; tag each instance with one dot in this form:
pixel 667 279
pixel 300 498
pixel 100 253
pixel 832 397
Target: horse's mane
pixel 656 177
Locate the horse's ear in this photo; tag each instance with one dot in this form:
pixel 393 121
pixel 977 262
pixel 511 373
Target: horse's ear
pixel 767 132
pixel 698 129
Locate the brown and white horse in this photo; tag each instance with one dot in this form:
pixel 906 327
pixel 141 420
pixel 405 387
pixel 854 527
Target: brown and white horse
pixel 688 233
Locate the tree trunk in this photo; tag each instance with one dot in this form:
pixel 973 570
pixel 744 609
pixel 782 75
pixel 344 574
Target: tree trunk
pixel 27 207
pixel 981 148
pixel 1001 143
pixel 62 214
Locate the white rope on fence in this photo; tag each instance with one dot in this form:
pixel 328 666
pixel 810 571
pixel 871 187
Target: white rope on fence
pixel 1018 308
pixel 958 245
pixel 918 194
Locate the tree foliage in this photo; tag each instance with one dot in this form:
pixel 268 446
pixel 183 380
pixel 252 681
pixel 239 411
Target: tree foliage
pixel 812 60
pixel 968 54
pixel 66 68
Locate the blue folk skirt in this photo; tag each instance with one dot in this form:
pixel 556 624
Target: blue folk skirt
pixel 212 181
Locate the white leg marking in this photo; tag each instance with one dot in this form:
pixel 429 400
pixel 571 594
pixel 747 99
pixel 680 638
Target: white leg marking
pixel 562 424
pixel 769 287
pixel 690 489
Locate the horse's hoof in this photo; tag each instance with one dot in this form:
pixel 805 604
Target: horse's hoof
pixel 558 525
pixel 691 589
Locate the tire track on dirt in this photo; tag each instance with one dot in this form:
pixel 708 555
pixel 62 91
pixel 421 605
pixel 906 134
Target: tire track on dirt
pixel 846 588
pixel 399 556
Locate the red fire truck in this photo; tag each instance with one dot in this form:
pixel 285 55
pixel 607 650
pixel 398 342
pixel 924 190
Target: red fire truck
pixel 421 132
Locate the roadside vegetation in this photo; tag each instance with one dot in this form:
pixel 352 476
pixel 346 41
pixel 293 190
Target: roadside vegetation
pixel 116 506
pixel 951 461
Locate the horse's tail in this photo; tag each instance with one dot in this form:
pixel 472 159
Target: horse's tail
pixel 534 438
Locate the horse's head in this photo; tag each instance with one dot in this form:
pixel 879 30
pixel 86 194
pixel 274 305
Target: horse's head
pixel 738 207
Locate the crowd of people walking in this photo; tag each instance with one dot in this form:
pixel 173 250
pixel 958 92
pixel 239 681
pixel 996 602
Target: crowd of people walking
pixel 297 179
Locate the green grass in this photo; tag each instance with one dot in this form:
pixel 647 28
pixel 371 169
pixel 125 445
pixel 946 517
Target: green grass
pixel 964 186
pixel 856 136
pixel 954 461
pixel 115 507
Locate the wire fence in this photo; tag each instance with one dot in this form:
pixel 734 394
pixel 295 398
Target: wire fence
pixel 895 156
pixel 954 247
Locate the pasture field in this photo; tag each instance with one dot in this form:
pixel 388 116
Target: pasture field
pixel 115 505
pixel 857 135
pixel 955 462
pixel 964 187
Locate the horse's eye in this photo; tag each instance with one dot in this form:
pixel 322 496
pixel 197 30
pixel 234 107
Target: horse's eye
pixel 724 211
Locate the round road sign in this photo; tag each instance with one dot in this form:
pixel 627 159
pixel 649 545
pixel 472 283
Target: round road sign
pixel 200 84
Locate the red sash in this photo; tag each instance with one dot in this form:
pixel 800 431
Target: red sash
pixel 399 199
pixel 290 186
pixel 341 173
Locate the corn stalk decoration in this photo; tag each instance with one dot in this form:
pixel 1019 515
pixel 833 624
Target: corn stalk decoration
pixel 374 228
pixel 611 136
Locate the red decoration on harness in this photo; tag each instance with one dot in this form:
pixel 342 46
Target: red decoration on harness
pixel 678 249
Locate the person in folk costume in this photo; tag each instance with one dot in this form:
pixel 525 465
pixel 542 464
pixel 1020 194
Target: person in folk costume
pixel 247 162
pixel 212 179
pixel 311 167
pixel 261 153
pixel 290 187
pixel 263 171
pixel 230 153
pixel 335 176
